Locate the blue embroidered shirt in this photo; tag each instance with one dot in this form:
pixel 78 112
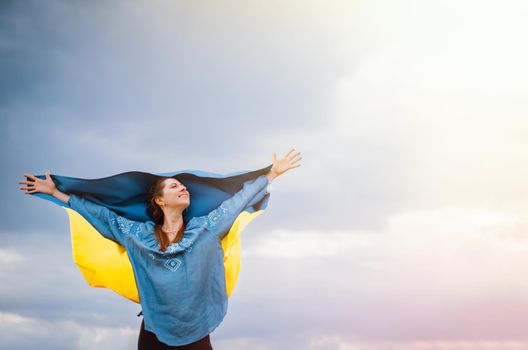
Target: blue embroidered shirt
pixel 182 290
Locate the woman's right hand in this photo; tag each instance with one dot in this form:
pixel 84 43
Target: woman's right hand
pixel 38 185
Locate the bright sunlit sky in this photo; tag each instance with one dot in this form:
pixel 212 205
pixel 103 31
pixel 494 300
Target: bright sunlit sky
pixel 405 227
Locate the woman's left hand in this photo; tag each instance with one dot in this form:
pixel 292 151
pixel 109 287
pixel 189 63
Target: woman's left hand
pixel 289 161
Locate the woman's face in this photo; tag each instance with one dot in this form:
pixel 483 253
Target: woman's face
pixel 175 194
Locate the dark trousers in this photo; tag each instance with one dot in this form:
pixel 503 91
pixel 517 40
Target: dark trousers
pixel 148 341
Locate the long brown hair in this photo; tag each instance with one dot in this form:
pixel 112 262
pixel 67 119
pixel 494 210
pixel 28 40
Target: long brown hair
pixel 155 211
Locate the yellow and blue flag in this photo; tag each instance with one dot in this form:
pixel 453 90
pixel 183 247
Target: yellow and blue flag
pixel 104 263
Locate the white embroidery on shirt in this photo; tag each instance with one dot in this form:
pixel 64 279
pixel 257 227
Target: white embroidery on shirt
pixel 124 224
pixel 214 216
pixel 184 244
pixel 173 264
pixel 138 229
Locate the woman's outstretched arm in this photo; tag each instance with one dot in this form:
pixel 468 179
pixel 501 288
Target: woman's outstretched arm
pixel 220 219
pixel 106 222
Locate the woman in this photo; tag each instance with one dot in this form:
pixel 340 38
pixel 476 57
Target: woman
pixel 178 266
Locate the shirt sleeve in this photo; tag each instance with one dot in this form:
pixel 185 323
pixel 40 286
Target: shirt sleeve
pixel 106 222
pixel 220 220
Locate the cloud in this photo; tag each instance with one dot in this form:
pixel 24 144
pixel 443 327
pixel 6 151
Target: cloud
pixel 20 332
pixel 409 281
pixel 46 284
pixel 299 245
pixel 10 257
pixel 427 113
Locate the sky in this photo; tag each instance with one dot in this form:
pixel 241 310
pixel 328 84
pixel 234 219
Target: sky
pixel 404 228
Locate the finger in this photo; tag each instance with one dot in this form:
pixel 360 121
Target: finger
pixel 47 175
pixel 26 182
pixel 290 151
pixel 26 188
pixel 294 155
pixel 274 155
pixel 295 160
pixel 31 176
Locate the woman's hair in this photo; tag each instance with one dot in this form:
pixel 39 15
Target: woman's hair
pixel 155 211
